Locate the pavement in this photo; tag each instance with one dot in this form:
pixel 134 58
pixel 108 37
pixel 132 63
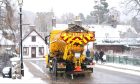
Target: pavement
pixel 120 66
pixel 28 77
pixel 35 71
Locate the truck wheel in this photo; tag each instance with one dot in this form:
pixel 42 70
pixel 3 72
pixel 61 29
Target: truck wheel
pixel 54 67
pixel 3 75
pixel 50 69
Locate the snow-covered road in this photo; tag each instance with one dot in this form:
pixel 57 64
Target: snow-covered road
pixel 35 72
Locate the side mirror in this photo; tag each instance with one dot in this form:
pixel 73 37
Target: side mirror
pixel 47 39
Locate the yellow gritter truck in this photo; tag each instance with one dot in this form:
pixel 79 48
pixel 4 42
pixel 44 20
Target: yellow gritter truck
pixel 66 51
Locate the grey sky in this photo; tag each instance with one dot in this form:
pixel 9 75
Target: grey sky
pixel 65 6
pixel 59 6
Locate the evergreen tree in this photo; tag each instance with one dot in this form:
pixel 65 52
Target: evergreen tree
pixel 82 17
pixel 100 11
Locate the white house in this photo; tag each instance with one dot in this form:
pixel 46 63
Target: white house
pixel 34 45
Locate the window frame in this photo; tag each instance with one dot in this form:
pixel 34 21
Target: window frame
pixel 27 51
pixel 42 52
pixel 33 39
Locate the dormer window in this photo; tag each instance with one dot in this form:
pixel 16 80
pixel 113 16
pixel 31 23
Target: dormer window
pixel 33 38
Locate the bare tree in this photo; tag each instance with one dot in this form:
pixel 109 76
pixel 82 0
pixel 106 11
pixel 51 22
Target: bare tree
pixel 43 22
pixel 10 19
pixel 100 10
pixel 82 17
pixel 113 17
pixel 67 18
pixel 9 14
pixel 132 6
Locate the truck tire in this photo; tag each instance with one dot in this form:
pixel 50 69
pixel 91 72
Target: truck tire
pixel 3 75
pixel 54 67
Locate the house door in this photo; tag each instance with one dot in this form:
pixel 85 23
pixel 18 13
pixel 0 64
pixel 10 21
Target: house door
pixel 33 52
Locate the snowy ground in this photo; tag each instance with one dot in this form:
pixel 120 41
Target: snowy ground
pixel 28 78
pixel 135 70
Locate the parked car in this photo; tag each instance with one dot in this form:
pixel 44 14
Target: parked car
pixel 6 72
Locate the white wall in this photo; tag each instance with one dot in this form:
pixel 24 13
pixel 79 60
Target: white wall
pixel 39 43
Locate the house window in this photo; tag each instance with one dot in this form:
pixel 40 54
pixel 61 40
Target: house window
pixel 33 38
pixel 41 50
pixel 25 51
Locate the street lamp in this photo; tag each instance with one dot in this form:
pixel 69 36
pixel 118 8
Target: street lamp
pixel 20 3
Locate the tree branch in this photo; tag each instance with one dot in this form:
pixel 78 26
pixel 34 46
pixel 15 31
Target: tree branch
pixel 137 12
pixel 137 2
pixel 127 3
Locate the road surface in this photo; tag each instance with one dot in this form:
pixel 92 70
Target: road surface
pixel 100 75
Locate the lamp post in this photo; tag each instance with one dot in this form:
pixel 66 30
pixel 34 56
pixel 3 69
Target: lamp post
pixel 20 3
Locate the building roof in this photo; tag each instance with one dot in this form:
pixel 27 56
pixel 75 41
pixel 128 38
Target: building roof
pixel 76 28
pixel 102 30
pixel 106 34
pixel 31 32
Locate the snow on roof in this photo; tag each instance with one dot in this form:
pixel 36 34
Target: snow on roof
pixel 110 34
pixel 32 32
pixel 103 32
pixel 4 41
pixel 8 48
pixel 15 59
pixel 8 30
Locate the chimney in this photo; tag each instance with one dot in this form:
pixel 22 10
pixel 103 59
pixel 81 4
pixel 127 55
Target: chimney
pixel 31 27
pixel 78 21
pixel 53 22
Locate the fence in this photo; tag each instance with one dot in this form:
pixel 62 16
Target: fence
pixel 135 61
